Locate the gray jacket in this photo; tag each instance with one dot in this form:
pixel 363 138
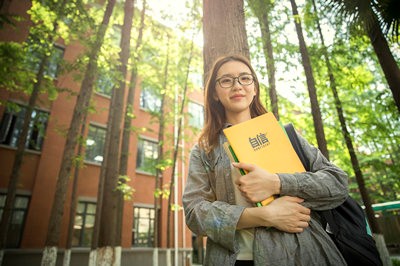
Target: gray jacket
pixel 209 204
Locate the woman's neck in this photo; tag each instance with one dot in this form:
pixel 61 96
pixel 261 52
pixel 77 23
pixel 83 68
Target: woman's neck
pixel 236 118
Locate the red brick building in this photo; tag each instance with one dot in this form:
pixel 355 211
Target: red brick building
pixel 43 155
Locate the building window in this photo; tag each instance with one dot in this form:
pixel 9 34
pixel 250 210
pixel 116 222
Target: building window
pixel 147 156
pixel 84 223
pixel 196 115
pixel 143 227
pixel 18 216
pixel 53 63
pixel 149 100
pixel 95 144
pixel 13 121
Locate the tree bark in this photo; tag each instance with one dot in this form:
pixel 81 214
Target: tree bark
pixel 159 173
pixel 353 156
pixel 315 110
pixel 111 239
pixel 224 30
pixel 387 62
pixel 74 202
pixel 126 134
pixel 176 149
pixel 261 10
pixel 53 233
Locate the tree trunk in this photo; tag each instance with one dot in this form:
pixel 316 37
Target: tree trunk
pixel 111 239
pixel 126 134
pixel 159 173
pixel 99 204
pixel 19 155
pixel 224 30
pixel 74 202
pixel 261 9
pixel 53 233
pixel 176 149
pixel 315 110
pixel 4 6
pixel 388 63
pixel 353 156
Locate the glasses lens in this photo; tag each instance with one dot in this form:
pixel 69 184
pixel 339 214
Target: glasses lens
pixel 226 82
pixel 246 79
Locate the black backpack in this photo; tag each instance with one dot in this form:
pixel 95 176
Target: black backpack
pixel 346 223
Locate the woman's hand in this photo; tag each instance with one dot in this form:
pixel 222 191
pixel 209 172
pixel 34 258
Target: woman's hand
pixel 257 184
pixel 285 213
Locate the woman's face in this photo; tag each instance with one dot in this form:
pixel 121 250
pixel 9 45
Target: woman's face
pixel 237 98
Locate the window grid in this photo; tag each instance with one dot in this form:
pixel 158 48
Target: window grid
pixel 143 227
pixel 18 216
pixel 147 156
pixel 13 121
pixel 95 144
pixel 84 223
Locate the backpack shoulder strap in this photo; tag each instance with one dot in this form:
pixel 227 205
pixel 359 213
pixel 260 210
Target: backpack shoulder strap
pixel 294 139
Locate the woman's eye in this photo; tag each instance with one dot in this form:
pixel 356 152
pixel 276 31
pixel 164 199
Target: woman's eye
pixel 226 80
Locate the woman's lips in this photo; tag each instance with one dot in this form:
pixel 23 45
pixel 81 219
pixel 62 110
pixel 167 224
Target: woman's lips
pixel 236 96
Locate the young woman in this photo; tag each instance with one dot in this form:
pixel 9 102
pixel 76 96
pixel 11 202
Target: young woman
pixel 219 203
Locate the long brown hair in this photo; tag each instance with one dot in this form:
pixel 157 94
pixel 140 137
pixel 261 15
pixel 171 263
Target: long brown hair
pixel 214 111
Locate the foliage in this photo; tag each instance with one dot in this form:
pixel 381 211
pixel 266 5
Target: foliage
pixel 363 13
pixel 164 192
pixel 372 117
pixel 124 187
pixel 368 105
pixel 14 74
pixel 176 207
pixel 396 262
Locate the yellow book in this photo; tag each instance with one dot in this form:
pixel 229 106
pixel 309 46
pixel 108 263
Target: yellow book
pixel 262 141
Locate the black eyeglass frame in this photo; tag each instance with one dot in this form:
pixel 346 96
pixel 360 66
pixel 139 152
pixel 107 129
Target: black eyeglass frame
pixel 233 80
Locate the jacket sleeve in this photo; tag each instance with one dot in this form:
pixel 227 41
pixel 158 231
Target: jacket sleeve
pixel 204 214
pixel 323 187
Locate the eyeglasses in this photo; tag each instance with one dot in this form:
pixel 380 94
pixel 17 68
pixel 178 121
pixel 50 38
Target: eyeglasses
pixel 228 82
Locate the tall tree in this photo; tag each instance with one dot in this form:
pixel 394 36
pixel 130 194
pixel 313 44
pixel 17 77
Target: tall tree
pixel 74 199
pixel 110 240
pixel 372 16
pixel 177 141
pixel 131 93
pixel 312 91
pixel 350 147
pixel 44 51
pixel 160 152
pixel 193 26
pixel 126 134
pixel 224 30
pixel 261 8
pixel 80 109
